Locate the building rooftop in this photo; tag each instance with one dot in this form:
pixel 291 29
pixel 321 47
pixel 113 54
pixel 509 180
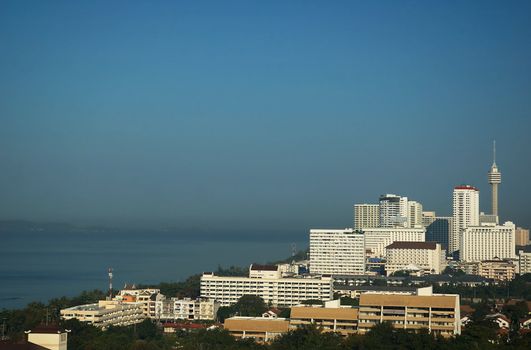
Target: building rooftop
pixel 257 267
pixel 413 245
pixel 466 187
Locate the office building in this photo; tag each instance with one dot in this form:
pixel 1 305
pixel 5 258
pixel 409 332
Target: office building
pixel 277 291
pixel 521 236
pixel 394 211
pixel 106 313
pixel 366 216
pixel 439 230
pixel 337 252
pixel 488 242
pixel 465 213
pixel 376 239
pixel 438 313
pixel 494 177
pixel 425 257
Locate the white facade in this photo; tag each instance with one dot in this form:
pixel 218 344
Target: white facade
pixel 524 262
pixel 488 242
pixel 106 313
pixel 366 216
pixel 427 257
pixel 340 252
pixel 184 309
pixel 376 239
pixel 280 292
pixel 414 214
pixel 393 211
pixel 48 339
pixel 428 217
pixel 466 213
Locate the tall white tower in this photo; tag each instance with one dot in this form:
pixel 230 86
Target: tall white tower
pixel 494 180
pixel 466 213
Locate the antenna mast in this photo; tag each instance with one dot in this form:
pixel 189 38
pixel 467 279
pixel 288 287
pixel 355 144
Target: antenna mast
pixel 110 283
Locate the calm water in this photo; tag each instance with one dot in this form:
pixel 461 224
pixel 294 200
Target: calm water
pixel 38 266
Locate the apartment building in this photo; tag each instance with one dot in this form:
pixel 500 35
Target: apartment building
pixel 521 236
pixel 376 239
pixel 524 261
pixel 106 313
pixel 426 257
pixel 497 269
pixel 439 313
pixel 465 213
pixel 162 308
pixel 280 292
pixel 337 252
pixel 487 242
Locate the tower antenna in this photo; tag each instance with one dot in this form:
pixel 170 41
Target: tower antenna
pixel 110 283
pixel 494 152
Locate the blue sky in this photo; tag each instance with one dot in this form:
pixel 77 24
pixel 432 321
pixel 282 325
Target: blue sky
pixel 270 114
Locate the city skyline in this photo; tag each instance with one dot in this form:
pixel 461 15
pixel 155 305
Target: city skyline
pixel 273 116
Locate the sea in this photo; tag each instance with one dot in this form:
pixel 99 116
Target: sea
pixel 38 265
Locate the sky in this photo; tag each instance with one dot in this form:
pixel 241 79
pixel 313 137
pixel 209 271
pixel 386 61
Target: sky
pixel 253 115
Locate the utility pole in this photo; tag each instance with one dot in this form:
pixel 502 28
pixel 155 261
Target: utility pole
pixel 4 328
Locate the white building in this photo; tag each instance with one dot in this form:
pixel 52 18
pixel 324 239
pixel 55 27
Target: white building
pixel 280 292
pixel 366 216
pixel 427 257
pixel 106 313
pixel 340 252
pixel 183 309
pixel 524 261
pixel 393 211
pixel 414 214
pixel 48 337
pixel 427 218
pixel 376 239
pixel 488 242
pixel 466 213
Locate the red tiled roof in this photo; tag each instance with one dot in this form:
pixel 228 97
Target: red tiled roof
pixel 465 187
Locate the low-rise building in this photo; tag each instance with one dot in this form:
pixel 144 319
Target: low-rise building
pixel 106 313
pixel 438 313
pixel 427 257
pixel 261 329
pixel 497 269
pixel 162 308
pixel 332 317
pixel 278 291
pixel 49 337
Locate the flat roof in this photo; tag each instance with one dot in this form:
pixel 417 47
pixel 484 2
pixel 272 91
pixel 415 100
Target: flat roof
pixel 256 324
pixel 342 313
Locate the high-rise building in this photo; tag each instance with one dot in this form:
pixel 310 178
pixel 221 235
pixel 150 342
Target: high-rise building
pixel 340 252
pixel 366 216
pixel 393 211
pixel 480 243
pixel 494 176
pixel 427 218
pixel 376 239
pixel 521 236
pixel 439 230
pixel 414 214
pixel 466 213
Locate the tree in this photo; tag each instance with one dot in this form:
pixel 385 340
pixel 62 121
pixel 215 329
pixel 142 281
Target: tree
pixel 250 305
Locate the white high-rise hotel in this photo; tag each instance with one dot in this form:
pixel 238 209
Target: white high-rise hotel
pixel 394 211
pixel 466 213
pixel 340 252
